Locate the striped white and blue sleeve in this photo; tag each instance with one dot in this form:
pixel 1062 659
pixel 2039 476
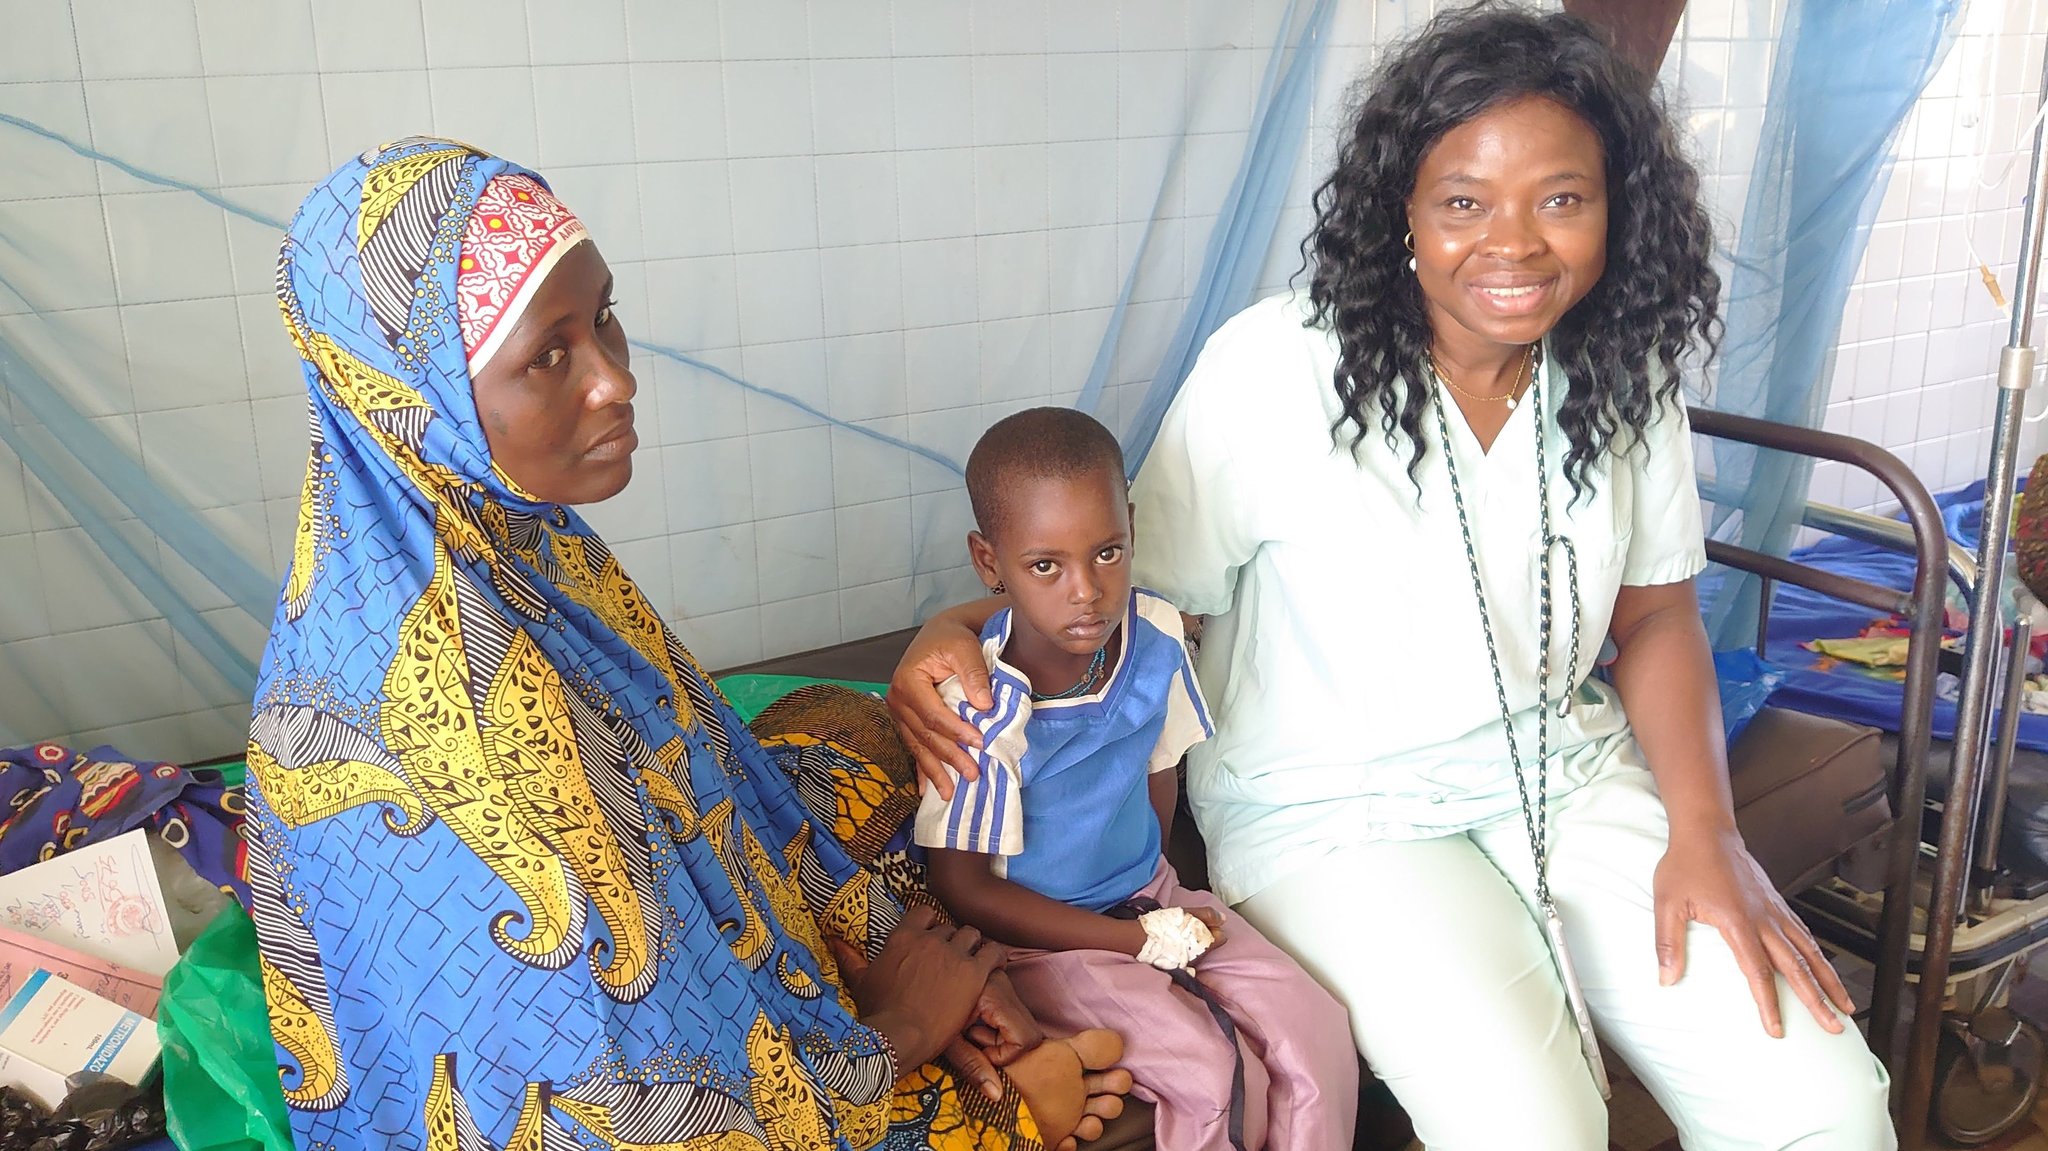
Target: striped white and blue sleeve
pixel 985 815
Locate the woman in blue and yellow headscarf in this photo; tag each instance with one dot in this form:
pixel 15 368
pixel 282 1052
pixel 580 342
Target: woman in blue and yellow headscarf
pixel 520 877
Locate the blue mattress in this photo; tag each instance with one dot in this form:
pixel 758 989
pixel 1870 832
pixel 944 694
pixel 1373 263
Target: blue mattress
pixel 1844 691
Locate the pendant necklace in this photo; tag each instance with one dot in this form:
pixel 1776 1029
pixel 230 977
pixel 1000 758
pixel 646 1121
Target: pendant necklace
pixel 1535 805
pixel 1514 389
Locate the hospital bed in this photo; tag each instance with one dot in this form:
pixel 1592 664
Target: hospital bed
pixel 1982 1074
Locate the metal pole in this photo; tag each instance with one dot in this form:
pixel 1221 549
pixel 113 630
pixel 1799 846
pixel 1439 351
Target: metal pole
pixel 1987 618
pixel 1933 560
pixel 1993 825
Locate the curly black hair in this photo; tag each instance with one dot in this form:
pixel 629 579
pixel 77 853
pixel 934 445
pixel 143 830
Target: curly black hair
pixel 1656 300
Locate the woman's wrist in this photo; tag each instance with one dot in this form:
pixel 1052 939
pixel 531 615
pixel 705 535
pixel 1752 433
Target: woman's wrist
pixel 1716 830
pixel 907 1040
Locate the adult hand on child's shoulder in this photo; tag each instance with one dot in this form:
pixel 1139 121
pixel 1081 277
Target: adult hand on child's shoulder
pixel 936 737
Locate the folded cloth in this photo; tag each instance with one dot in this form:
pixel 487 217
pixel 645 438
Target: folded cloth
pixel 60 800
pixel 1870 651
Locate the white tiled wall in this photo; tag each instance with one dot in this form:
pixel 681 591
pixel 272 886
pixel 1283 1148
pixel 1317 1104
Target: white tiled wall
pixel 1915 368
pixel 911 214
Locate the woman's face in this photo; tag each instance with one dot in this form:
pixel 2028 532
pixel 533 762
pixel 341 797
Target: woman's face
pixel 1510 220
pixel 556 397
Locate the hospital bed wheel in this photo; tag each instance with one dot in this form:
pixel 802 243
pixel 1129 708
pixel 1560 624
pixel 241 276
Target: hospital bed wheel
pixel 1987 1074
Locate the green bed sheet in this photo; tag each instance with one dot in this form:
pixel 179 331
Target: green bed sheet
pixel 750 695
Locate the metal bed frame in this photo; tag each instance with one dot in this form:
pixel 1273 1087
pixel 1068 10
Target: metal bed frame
pixel 1922 608
pixel 1909 931
pixel 1965 849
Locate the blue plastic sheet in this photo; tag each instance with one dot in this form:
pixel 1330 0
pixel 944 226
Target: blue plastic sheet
pixel 1844 691
pixel 1747 684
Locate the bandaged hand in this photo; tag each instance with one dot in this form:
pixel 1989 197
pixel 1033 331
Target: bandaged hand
pixel 1174 938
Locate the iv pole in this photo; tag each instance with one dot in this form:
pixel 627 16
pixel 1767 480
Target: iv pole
pixel 1987 629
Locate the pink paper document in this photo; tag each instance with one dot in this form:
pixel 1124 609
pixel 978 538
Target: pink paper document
pixel 21 955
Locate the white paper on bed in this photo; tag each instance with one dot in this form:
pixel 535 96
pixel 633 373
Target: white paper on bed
pixel 102 899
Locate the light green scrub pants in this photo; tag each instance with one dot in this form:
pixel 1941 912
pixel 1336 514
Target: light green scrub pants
pixel 1434 946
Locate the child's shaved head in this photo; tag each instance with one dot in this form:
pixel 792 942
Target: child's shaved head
pixel 1038 442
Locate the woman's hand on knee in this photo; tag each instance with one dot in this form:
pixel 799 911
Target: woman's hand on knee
pixel 924 987
pixel 1713 879
pixel 944 648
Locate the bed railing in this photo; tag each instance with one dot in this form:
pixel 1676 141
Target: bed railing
pixel 1935 560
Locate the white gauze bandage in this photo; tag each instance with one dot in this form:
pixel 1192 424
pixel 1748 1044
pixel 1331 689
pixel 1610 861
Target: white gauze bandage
pixel 1174 939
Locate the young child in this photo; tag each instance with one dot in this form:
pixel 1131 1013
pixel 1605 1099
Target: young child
pixel 1056 849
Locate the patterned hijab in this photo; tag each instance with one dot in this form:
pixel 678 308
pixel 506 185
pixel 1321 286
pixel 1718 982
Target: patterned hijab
pixel 515 235
pixel 520 878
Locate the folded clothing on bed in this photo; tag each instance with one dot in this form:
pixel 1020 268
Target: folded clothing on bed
pixel 59 799
pixel 1826 685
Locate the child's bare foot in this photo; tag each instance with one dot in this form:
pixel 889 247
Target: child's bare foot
pixel 1072 1086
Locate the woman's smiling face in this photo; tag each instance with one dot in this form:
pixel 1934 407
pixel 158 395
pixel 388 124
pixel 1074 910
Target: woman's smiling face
pixel 1509 213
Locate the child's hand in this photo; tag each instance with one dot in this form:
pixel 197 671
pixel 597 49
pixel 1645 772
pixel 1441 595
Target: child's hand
pixel 1211 919
pixel 1177 936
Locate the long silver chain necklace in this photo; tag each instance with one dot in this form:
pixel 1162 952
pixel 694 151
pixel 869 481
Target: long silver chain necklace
pixel 1535 807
